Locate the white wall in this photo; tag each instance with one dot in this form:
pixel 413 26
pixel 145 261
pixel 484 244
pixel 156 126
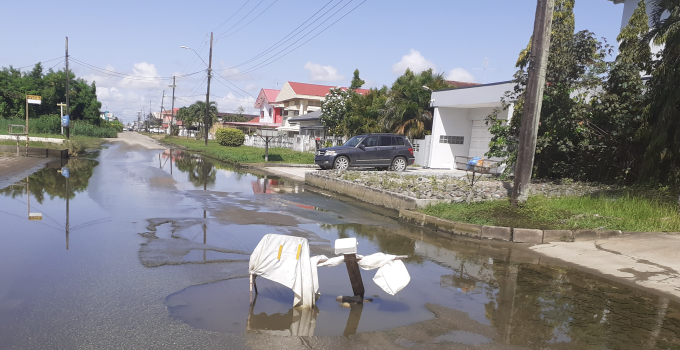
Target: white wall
pixel 452 122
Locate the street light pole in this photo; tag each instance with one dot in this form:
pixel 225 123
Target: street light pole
pixel 207 95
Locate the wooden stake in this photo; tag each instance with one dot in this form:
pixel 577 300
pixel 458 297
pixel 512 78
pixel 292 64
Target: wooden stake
pixel 354 274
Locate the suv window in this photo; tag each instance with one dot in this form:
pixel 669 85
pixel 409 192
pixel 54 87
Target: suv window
pixel 400 141
pixel 386 141
pixel 371 141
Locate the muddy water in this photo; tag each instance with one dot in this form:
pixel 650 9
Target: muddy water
pixel 150 251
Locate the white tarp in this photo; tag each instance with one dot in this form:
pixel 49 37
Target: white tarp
pixel 392 275
pixel 285 260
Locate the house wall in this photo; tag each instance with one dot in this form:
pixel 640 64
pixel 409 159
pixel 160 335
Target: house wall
pixel 451 121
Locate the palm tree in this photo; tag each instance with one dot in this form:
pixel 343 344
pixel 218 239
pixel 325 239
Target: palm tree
pixel 407 110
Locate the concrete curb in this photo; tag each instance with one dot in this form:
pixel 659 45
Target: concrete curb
pixel 282 165
pixel 508 234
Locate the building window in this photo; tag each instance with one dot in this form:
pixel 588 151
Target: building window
pixel 452 140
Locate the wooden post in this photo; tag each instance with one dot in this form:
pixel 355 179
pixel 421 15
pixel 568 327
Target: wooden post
pixel 538 62
pixel 354 275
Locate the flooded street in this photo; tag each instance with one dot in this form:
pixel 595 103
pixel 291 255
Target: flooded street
pixel 149 249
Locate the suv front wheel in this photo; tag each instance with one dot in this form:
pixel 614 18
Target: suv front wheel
pixel 399 164
pixel 341 163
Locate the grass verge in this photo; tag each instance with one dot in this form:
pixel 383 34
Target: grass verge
pixel 625 210
pixel 76 144
pixel 242 154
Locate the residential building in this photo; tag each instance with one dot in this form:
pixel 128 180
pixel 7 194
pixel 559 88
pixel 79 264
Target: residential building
pixel 270 111
pixel 297 99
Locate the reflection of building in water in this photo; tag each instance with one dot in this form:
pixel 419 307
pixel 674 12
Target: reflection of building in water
pixel 266 185
pixel 298 322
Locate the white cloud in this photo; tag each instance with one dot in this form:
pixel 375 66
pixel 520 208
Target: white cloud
pixel 251 87
pixel 460 74
pixel 415 61
pixel 321 73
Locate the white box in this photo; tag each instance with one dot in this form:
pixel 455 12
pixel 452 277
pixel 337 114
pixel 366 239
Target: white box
pixel 346 246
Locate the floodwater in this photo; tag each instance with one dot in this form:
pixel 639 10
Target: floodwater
pixel 141 249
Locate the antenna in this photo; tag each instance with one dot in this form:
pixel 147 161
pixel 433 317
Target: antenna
pixel 486 63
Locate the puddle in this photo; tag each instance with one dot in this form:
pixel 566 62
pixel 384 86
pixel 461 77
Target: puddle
pixel 113 240
pixel 205 255
pixel 191 171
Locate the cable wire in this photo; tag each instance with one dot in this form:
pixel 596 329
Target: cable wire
pixel 247 24
pixel 244 17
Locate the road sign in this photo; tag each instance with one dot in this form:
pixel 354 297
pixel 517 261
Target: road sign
pixel 65 121
pixel 64 172
pixel 33 99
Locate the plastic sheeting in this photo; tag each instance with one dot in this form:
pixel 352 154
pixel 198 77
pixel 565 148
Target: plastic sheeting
pixel 285 260
pixel 392 275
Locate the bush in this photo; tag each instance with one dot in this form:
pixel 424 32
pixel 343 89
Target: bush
pixel 230 137
pixel 85 129
pixel 46 124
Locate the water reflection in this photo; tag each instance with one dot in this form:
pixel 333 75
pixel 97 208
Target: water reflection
pixel 50 182
pixel 203 173
pixel 296 322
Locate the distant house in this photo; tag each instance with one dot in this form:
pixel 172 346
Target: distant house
pixel 309 124
pixel 298 99
pixel 270 111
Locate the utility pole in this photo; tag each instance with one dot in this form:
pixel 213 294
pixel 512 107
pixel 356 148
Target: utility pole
pixel 531 114
pixel 68 109
pixel 172 112
pixel 62 105
pixel 207 95
pixel 161 115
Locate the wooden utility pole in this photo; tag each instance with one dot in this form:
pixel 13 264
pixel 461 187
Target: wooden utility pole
pixel 538 62
pixel 161 115
pixel 207 95
pixel 68 109
pixel 172 114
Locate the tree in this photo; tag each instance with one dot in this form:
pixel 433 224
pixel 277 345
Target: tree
pixel 575 68
pixel 356 81
pixel 660 128
pixel 617 111
pixel 194 115
pixel 407 108
pixel 334 109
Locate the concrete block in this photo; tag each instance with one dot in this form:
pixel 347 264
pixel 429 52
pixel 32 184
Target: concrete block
pixel 585 235
pixel 446 225
pixel 471 230
pixel 525 235
pixel 557 236
pixel 497 232
pixel 604 234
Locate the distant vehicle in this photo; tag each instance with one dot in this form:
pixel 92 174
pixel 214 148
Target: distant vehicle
pixel 382 151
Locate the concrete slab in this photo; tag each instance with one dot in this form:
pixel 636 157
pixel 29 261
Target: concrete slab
pixel 557 236
pixel 497 232
pixel 525 235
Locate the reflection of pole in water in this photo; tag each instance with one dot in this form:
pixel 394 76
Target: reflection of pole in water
pixel 68 189
pixel 28 197
pixel 353 319
pixel 205 235
pixel 264 184
pixel 171 159
pixel 160 165
pixel 660 316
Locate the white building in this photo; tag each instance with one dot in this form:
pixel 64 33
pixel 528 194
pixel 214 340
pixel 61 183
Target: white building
pixel 458 125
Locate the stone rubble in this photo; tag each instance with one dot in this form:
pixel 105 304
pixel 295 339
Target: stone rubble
pixel 456 188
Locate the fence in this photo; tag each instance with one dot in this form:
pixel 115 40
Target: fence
pixel 300 143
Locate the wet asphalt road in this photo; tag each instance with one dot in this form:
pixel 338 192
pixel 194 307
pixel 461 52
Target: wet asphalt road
pixel 156 260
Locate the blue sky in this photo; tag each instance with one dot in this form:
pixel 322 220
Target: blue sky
pixel 379 37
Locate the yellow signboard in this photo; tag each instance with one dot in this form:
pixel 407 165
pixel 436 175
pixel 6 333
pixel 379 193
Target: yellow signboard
pixel 34 99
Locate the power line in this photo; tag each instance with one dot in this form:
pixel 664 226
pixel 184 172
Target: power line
pixel 275 45
pixel 219 75
pixel 62 57
pixel 247 24
pixel 125 75
pixel 263 64
pixel 244 17
pixel 237 11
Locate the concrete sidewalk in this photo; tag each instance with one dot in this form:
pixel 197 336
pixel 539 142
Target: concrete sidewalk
pixel 648 260
pixel 13 168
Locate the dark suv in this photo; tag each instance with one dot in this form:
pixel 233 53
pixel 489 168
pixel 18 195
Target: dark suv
pixel 381 151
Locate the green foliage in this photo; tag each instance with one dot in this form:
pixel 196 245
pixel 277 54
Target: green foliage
pixel 565 134
pixel 118 126
pixel 243 154
pixel 334 109
pixel 51 86
pixel 407 109
pixel 86 129
pixel 194 115
pixel 230 137
pixel 356 81
pixel 661 127
pixel 46 124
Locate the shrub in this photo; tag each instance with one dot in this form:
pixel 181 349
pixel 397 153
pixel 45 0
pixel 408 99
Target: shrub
pixel 46 124
pixel 75 146
pixel 85 129
pixel 230 137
